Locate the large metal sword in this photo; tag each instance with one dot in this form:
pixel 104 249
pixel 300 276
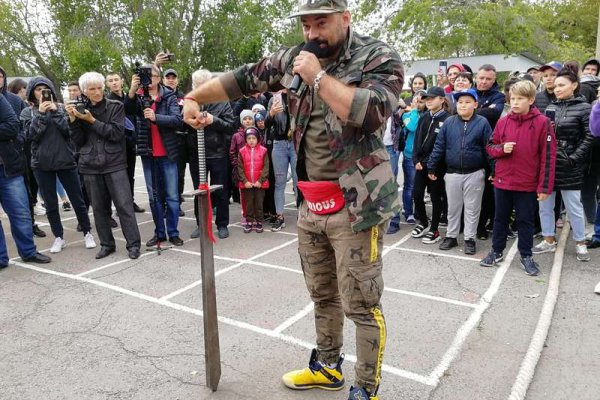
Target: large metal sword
pixel 212 352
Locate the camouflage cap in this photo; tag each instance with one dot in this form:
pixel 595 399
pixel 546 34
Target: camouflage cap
pixel 316 7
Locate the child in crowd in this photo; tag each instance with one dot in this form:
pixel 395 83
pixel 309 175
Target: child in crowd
pixel 524 147
pixel 461 144
pixel 266 139
pixel 253 173
pixel 238 140
pixel 428 128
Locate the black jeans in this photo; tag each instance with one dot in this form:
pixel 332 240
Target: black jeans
pixel 487 205
pixel 217 171
pixel 103 188
pixel 589 196
pixel 436 189
pixel 131 159
pixel 525 204
pixel 70 180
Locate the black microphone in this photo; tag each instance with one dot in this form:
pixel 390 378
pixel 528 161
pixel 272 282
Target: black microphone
pixel 312 47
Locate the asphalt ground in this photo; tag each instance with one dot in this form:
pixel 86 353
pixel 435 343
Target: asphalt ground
pixel 81 328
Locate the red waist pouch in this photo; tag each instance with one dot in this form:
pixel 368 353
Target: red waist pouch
pixel 322 197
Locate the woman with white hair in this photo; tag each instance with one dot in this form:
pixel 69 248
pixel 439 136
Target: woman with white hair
pixel 99 132
pixel 53 156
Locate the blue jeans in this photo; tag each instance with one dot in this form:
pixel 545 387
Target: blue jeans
pixel 408 168
pixel 596 236
pixel 572 201
pixel 394 159
pixel 161 170
pixel 15 202
pixel 283 155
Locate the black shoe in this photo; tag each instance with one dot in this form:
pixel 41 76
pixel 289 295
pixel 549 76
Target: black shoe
pixel 483 235
pixel 223 232
pixel 448 243
pixel 104 252
pixel 134 253
pixel 67 206
pixel 2 266
pixel 530 266
pixel 278 225
pixel 470 247
pixel 491 259
pixel 38 258
pixel 138 209
pixel 592 244
pixel 511 234
pixel 152 242
pixel 176 240
pixel 79 229
pixel 37 232
pixel 181 212
pixel 113 223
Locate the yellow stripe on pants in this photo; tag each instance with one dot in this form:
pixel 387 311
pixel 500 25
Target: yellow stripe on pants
pixel 378 315
pixel 374 248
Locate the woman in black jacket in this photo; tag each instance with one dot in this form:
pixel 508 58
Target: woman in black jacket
pixel 570 116
pixel 53 156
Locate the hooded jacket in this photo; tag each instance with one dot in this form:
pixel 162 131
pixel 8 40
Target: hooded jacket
pixel 101 144
pixel 573 138
pixel 168 121
pixel 425 136
pixel 531 165
pixel 10 154
pixel 461 144
pixel 51 145
pixel 589 87
pixel 490 104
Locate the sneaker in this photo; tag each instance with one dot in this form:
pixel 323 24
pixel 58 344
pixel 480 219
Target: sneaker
pixel 278 225
pixel 196 233
pixel 247 228
pixel 431 237
pixel 560 223
pixel 39 210
pixel 58 245
pixel 491 259
pixel 582 253
pixel 37 232
pixel 67 206
pixel 470 247
pixel 448 243
pixel 258 227
pixel 418 231
pixel 361 394
pixel 222 232
pixel 592 244
pixel 176 240
pixel 316 376
pixel 89 241
pixel 394 228
pixel 531 267
pixel 544 247
pixel 411 220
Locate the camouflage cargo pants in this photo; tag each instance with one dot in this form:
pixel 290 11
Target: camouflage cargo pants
pixel 342 270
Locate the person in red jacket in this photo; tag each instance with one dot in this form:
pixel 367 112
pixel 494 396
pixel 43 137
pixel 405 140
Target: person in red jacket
pixel 524 148
pixel 253 174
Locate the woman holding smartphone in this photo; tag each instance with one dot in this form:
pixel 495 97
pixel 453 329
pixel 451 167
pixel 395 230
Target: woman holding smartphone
pixel 570 114
pixel 53 156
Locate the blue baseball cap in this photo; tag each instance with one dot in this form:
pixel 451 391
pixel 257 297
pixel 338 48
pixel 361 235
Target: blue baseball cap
pixel 555 65
pixel 466 92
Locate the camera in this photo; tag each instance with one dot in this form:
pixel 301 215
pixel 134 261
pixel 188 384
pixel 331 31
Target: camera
pixel 145 74
pixel 81 104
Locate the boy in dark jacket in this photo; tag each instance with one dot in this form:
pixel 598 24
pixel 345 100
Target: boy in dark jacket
pixel 429 126
pixel 461 143
pixel 253 172
pixel 524 147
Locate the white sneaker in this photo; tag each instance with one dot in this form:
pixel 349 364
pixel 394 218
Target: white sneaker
pixel 58 245
pixel 89 241
pixel 597 289
pixel 582 252
pixel 39 210
pixel 544 247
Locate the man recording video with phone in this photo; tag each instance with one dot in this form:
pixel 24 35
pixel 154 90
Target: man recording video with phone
pixel 158 118
pixel 97 128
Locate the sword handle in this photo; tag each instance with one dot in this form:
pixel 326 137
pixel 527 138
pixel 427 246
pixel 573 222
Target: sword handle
pixel 201 155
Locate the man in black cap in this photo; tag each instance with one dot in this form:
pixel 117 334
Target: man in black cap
pixel 536 74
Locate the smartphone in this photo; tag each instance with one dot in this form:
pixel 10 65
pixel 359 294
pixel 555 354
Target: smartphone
pixel 169 56
pixel 551 114
pixel 277 98
pixel 443 67
pixel 46 95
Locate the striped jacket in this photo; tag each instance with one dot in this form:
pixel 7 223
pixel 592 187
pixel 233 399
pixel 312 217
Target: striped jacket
pixel 531 165
pixel 365 176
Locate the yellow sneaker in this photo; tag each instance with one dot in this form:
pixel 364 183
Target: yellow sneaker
pixel 316 376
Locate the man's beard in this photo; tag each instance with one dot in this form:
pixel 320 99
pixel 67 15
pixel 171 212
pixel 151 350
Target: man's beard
pixel 329 50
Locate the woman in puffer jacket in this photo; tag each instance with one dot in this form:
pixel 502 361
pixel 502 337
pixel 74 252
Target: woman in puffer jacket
pixel 570 114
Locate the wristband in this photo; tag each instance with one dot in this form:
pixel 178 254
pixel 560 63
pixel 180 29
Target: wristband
pixel 317 81
pixel 190 98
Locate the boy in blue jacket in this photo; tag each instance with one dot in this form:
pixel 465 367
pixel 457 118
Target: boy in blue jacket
pixel 461 145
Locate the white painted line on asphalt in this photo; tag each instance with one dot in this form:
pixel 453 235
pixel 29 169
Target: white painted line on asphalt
pixel 292 320
pixel 112 264
pixel 395 245
pixel 228 321
pixel 474 318
pixel 269 231
pixel 429 297
pixel 435 254
pixel 538 340
pixel 225 270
